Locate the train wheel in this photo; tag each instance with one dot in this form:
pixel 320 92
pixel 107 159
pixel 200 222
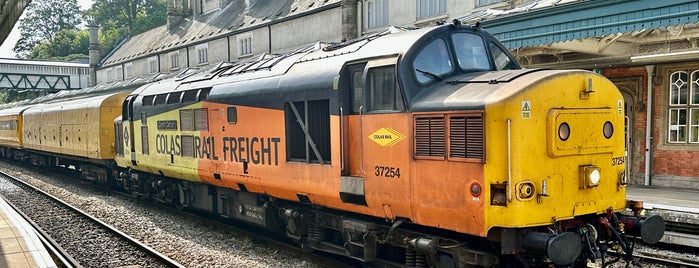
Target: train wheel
pixel 445 261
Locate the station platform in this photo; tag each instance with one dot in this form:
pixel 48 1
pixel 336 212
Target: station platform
pixel 20 246
pixel 679 207
pixel 681 200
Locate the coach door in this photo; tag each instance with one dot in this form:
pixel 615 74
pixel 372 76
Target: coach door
pixel 375 143
pixel 351 107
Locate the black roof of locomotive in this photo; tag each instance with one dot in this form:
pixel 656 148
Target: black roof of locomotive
pixel 309 73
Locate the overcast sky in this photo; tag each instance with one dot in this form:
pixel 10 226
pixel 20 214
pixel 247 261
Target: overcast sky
pixel 9 43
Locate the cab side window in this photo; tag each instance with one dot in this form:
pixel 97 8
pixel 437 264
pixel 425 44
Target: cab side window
pixel 383 92
pixel 502 61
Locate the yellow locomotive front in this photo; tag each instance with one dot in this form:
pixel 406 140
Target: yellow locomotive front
pixel 555 170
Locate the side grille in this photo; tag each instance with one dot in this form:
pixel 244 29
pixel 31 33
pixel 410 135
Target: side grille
pixel 429 136
pixel 465 139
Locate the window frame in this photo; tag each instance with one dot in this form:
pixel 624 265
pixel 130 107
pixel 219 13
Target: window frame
pixel 174 60
pixel 202 53
pixel 441 8
pixel 245 45
pixel 480 3
pixel 690 106
pixel 373 7
pixel 128 70
pixel 119 72
pixel 153 65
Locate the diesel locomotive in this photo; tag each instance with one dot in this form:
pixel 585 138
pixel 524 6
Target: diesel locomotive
pixel 424 147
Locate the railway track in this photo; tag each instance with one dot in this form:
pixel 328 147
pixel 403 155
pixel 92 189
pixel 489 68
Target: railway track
pixel 659 259
pixel 83 240
pixel 258 235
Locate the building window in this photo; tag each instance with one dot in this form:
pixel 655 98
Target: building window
pixel 110 75
pixel 488 2
pixel 129 69
pixel 683 113
pixel 431 8
pixel 119 73
pixel 175 60
pixel 202 53
pixel 153 65
pixel 244 45
pixel 376 13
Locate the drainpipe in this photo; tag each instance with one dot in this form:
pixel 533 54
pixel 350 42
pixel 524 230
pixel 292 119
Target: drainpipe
pixel 649 118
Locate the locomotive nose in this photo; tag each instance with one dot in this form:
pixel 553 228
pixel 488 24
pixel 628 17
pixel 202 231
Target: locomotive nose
pixel 561 249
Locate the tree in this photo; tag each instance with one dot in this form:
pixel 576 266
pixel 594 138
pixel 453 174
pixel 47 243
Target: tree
pixel 66 45
pixel 135 16
pixel 44 19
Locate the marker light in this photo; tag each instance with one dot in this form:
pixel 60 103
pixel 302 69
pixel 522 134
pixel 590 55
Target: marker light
pixel 475 189
pixel 564 131
pixel 608 129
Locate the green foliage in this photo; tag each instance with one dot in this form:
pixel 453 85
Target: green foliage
pixel 65 44
pixel 135 16
pixel 7 96
pixel 109 38
pixel 42 22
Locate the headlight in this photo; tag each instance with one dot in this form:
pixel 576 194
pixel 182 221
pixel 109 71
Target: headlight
pixel 564 131
pixel 608 129
pixel 590 176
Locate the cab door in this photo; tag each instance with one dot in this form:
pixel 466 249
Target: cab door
pixel 376 148
pixel 128 125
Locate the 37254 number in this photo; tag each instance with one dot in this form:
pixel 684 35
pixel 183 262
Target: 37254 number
pixel 617 161
pixel 388 172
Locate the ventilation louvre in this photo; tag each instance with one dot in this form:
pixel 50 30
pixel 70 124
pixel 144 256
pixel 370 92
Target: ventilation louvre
pixel 465 139
pixel 429 136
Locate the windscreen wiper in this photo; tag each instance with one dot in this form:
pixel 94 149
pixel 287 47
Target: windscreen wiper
pixel 429 74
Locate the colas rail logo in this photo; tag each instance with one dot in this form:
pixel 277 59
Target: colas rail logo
pixel 386 137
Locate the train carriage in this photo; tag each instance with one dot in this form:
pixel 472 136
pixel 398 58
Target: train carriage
pixel 72 132
pixel 11 140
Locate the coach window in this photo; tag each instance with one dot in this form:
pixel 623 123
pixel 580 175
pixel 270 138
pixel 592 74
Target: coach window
pixel 432 62
pixel 204 94
pixel 232 115
pixel 174 97
pixel 683 121
pixel 160 99
pixel 383 94
pixel 189 96
pixel 148 100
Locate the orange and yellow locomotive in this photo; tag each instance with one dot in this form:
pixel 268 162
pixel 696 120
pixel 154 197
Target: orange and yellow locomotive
pixel 409 147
